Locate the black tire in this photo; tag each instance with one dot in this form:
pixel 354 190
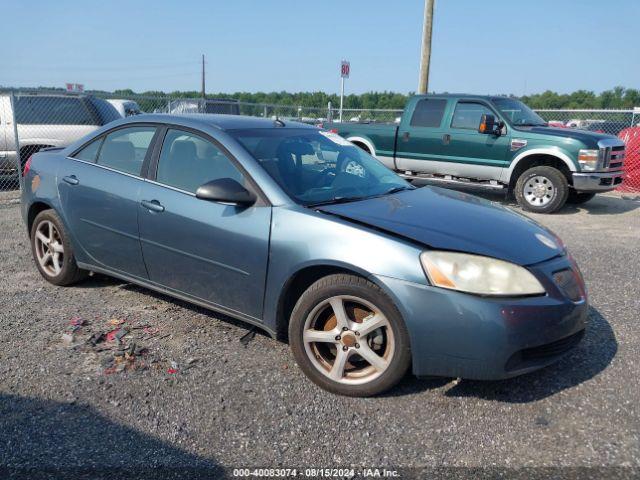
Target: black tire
pixel 552 179
pixel 577 198
pixel 69 272
pixel 351 286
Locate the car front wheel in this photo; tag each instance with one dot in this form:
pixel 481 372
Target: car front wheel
pixel 348 337
pixel 542 189
pixel 52 250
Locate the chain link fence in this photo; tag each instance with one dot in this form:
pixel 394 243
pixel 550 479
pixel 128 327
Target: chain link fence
pixel 33 120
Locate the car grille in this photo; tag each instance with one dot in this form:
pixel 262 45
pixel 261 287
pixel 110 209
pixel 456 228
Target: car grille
pixel 539 355
pixel 613 157
pixel 568 284
pixel 552 349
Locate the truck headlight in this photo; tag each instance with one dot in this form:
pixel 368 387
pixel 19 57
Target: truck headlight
pixel 588 159
pixel 478 274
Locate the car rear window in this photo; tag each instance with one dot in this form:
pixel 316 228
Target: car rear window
pixel 428 112
pixel 44 110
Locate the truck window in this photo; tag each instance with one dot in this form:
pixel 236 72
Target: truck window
pixel 467 115
pixel 52 110
pixel 428 112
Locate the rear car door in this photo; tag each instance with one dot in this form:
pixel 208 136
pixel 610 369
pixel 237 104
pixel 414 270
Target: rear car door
pixel 473 154
pixel 420 138
pixel 211 251
pixel 99 191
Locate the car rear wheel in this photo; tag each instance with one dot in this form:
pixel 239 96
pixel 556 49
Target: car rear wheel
pixel 52 250
pixel 578 198
pixel 348 337
pixel 542 189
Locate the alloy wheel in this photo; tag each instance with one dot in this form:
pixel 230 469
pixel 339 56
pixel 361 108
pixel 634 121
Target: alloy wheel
pixel 348 339
pixel 49 248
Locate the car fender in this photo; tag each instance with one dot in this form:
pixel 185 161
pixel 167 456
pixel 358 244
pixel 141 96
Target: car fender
pixel 301 239
pixel 551 151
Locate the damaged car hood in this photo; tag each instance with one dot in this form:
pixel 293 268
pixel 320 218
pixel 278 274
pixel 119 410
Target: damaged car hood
pixel 451 220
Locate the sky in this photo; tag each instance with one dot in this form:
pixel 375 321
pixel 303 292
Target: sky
pixel 501 46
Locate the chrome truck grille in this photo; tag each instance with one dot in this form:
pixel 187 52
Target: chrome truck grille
pixel 611 154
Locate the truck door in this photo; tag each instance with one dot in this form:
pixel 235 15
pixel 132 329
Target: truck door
pixel 419 147
pixel 472 154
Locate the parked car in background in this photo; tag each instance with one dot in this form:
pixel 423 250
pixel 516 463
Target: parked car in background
pixel 210 105
pixel 125 108
pixel 610 128
pixel 493 142
pixel 45 120
pixel 631 137
pixel 556 124
pixel 297 231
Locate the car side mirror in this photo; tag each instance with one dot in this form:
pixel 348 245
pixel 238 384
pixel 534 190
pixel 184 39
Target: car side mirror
pixel 226 190
pixel 488 124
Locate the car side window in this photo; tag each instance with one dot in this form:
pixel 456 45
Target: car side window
pixel 90 152
pixel 125 149
pixel 188 161
pixel 52 110
pixel 467 115
pixel 428 112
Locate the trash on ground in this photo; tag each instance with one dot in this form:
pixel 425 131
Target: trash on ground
pixel 173 368
pixel 119 347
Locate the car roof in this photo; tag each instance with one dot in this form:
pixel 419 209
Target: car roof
pixel 220 121
pixel 462 95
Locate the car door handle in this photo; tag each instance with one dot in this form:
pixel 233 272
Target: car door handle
pixel 405 137
pixel 152 205
pixel 446 139
pixel 71 180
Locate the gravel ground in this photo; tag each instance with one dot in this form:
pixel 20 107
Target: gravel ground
pixel 197 398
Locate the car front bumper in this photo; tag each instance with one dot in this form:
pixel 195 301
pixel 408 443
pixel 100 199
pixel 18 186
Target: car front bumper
pixel 454 334
pixel 597 181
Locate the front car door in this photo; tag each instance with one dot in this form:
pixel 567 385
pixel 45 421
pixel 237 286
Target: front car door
pixel 99 189
pixel 209 251
pixel 472 154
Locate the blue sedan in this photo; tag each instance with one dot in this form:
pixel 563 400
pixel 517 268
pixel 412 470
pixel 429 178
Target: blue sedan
pixel 294 230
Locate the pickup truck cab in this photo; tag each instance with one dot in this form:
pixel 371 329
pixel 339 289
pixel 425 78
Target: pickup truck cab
pixel 494 142
pixel 44 121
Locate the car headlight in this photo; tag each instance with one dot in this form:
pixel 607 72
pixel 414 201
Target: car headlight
pixel 588 160
pixel 479 275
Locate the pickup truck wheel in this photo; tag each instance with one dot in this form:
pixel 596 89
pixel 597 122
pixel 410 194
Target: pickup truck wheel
pixel 52 250
pixel 542 189
pixel 578 198
pixel 348 337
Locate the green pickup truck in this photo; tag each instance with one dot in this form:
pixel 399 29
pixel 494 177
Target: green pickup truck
pixel 493 142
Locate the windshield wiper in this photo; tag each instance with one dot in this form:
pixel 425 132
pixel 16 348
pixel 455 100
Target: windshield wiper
pixel 398 189
pixel 336 200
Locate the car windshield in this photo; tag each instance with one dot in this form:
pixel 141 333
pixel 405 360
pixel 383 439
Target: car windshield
pixel 317 167
pixel 518 112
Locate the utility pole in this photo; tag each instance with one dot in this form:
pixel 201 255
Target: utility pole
pixel 203 96
pixel 427 28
